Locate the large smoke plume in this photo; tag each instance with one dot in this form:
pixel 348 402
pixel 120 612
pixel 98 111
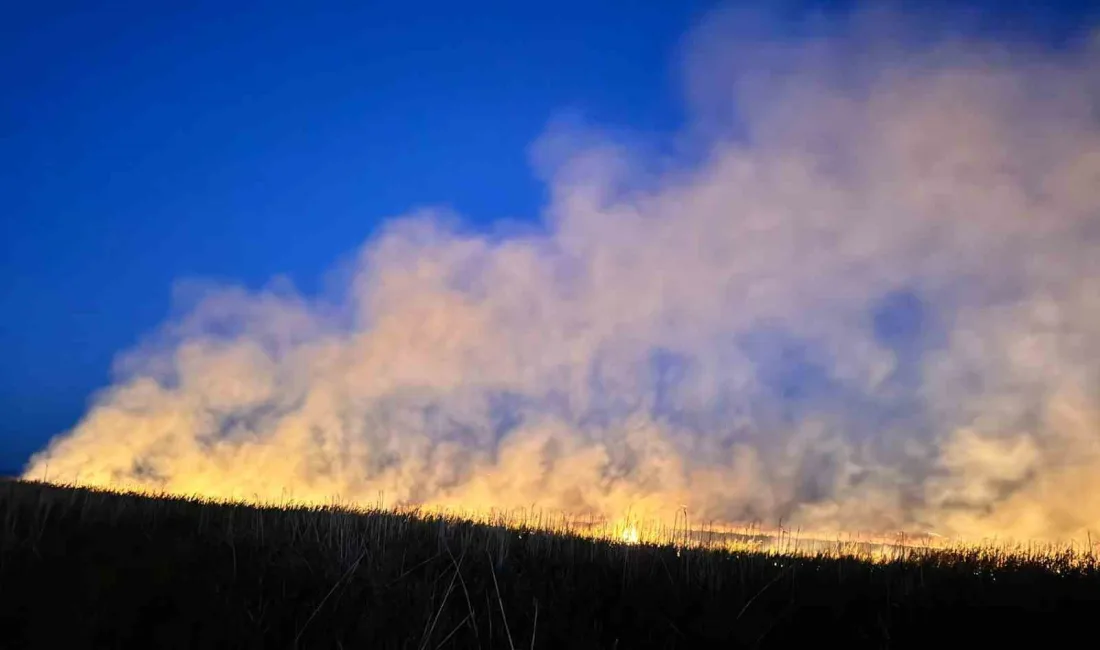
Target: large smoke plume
pixel 862 293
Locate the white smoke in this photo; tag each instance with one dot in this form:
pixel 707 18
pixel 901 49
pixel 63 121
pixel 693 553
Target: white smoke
pixel 871 301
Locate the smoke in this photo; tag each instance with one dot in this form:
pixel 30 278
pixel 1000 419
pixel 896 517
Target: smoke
pixel 862 292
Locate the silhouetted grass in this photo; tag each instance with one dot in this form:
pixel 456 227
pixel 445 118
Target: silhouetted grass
pixel 83 568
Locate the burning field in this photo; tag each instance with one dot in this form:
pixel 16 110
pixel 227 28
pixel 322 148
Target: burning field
pixel 860 291
pixel 127 570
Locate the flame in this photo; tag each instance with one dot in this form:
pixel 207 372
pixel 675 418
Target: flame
pixel 629 535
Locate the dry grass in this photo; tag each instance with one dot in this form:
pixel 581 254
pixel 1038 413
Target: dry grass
pixel 127 570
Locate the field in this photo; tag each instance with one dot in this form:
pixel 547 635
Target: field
pixel 82 568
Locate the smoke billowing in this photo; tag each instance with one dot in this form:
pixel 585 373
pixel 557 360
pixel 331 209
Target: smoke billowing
pixel 865 293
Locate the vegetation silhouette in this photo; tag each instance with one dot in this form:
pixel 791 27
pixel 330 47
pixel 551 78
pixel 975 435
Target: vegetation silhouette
pixel 90 568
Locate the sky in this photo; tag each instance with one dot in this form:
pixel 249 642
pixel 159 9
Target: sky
pixel 145 144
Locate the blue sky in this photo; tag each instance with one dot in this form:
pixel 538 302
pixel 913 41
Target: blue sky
pixel 145 143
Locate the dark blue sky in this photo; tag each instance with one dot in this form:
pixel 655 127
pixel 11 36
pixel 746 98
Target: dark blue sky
pixel 147 142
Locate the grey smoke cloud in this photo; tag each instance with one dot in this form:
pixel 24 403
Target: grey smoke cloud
pixel 868 297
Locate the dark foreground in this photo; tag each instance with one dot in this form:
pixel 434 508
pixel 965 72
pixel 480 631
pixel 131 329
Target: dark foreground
pixel 83 569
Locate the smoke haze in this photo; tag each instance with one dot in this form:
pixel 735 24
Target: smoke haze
pixel 862 293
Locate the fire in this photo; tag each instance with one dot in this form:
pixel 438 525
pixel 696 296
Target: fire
pixel 629 535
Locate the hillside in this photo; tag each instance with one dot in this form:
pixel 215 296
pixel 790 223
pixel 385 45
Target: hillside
pixel 81 568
